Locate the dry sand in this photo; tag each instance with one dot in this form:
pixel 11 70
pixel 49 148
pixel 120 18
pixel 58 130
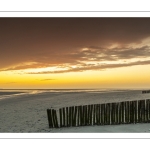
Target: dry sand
pixel 27 112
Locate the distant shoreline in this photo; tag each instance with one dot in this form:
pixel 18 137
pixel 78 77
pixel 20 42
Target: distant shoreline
pixel 10 93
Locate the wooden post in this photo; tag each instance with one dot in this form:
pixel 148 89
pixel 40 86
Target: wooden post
pixel 113 113
pixel 123 112
pixel 148 110
pixel 70 116
pixel 102 114
pixel 136 112
pixel 107 114
pixel 115 118
pixel 56 120
pixel 94 114
pixel 110 113
pixel 80 121
pixel 131 112
pixel 60 115
pixel 91 115
pixel 97 114
pixel 53 118
pixel 127 112
pixel 117 113
pixel 67 116
pixel 139 111
pixel 148 105
pixel 143 110
pixel 86 115
pixel 75 116
pixel 83 115
pixel 51 115
pixel 64 117
pixel 78 118
pixel 89 112
pixel 49 118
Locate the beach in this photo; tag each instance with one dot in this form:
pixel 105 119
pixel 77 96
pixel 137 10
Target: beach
pixel 25 112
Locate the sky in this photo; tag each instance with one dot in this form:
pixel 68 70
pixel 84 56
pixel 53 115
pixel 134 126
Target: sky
pixel 64 53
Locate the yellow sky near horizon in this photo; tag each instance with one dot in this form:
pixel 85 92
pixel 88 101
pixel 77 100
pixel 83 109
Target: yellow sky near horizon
pixel 124 77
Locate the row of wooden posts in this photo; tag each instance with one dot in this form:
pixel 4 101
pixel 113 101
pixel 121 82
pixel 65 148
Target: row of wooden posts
pixel 100 114
pixel 146 91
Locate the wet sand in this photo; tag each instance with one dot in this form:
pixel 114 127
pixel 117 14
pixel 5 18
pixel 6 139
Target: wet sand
pixel 27 113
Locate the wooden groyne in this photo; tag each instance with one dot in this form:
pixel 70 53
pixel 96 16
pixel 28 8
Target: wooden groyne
pixel 146 91
pixel 127 112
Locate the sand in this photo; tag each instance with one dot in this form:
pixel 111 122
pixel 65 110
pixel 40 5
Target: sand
pixel 26 113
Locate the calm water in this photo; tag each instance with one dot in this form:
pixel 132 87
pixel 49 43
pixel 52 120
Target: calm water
pixel 104 93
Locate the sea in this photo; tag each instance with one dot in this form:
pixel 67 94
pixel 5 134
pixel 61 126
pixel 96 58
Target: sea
pixel 111 94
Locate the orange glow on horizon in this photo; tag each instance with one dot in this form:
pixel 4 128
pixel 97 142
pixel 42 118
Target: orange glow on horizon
pixel 125 77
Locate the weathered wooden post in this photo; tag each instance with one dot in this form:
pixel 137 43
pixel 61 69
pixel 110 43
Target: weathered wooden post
pixel 53 118
pixel 105 114
pixel 148 109
pixel 143 110
pixel 83 115
pixel 115 110
pixel 136 112
pixel 117 113
pixel 113 113
pixel 75 116
pixel 94 114
pixel 131 112
pixel 56 119
pixel 102 114
pixel 78 118
pixel 109 113
pixel 139 112
pixel 80 110
pixel 89 112
pixel 60 115
pixel 49 118
pixel 126 112
pixel 70 116
pixel 67 116
pixel 86 115
pixel 91 115
pixel 64 118
pixel 97 114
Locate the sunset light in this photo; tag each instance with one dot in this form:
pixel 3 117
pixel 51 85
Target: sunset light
pixel 74 53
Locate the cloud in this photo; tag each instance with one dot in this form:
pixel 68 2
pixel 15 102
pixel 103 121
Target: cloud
pixel 94 67
pixel 87 43
pixel 11 82
pixel 92 58
pixel 47 79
